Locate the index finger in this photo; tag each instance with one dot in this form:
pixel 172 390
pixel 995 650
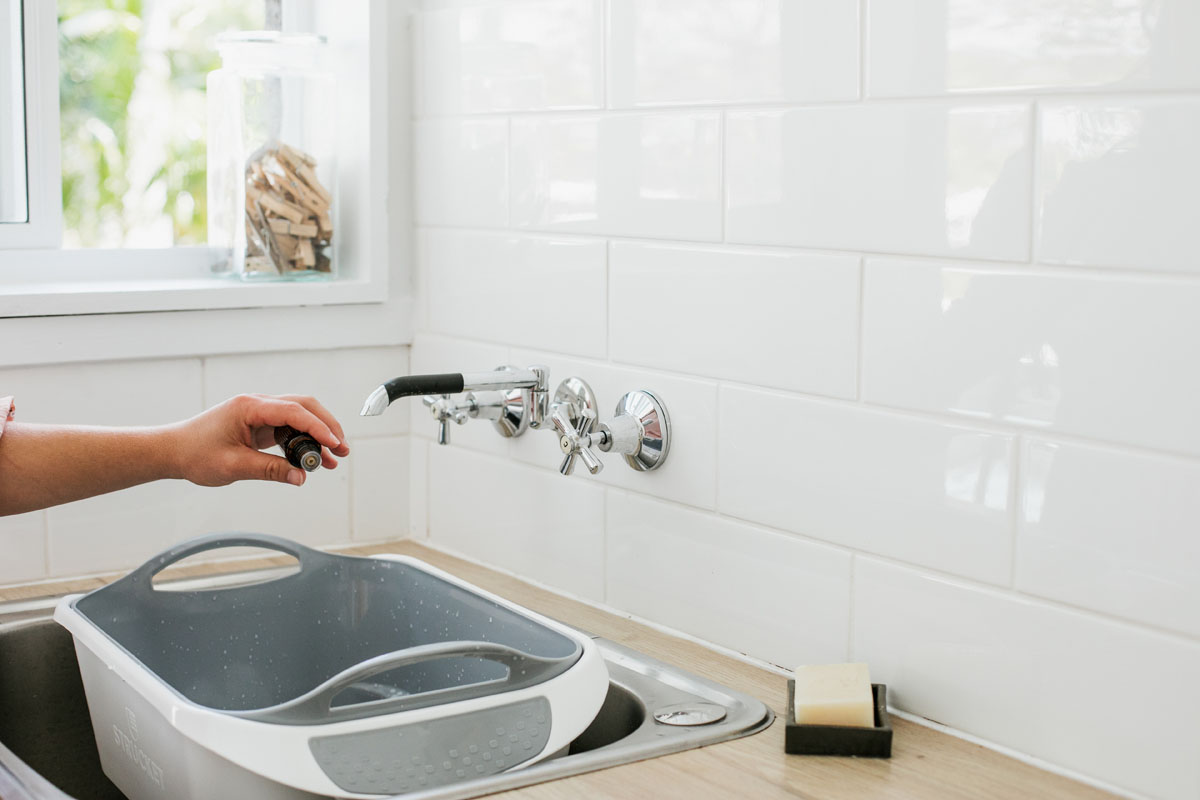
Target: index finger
pixel 313 405
pixel 276 413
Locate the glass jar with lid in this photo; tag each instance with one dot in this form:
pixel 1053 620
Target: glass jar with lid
pixel 271 156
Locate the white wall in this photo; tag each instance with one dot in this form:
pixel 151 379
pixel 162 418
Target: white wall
pixel 364 499
pixel 914 279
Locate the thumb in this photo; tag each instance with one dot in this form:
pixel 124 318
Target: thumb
pixel 255 465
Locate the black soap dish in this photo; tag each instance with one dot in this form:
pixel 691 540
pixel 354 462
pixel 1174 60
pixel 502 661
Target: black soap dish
pixel 840 740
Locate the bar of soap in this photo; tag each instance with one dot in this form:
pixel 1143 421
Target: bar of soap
pixel 834 694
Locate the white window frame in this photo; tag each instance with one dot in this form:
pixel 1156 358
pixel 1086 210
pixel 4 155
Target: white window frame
pixel 366 304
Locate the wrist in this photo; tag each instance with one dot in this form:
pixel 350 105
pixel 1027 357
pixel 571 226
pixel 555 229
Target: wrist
pixel 168 451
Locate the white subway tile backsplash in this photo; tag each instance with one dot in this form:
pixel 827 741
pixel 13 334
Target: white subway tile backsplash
pixel 510 56
pixel 775 319
pixel 923 47
pixel 418 488
pixel 1117 182
pixel 921 491
pixel 461 172
pixel 1098 357
pixel 732 51
pixel 381 486
pixel 653 175
pixel 689 473
pixel 22 547
pixel 122 393
pixel 554 534
pixel 664 563
pixel 339 379
pixel 1112 531
pixel 1102 698
pixel 481 284
pixel 920 178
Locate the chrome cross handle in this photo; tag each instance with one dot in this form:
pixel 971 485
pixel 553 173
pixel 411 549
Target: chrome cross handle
pixel 444 410
pixel 576 440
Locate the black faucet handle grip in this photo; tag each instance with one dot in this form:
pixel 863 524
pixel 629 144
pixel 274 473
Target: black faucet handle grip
pixel 409 385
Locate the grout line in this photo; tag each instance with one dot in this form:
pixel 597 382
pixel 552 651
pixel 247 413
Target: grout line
pixel 1035 155
pixel 608 309
pixel 508 173
pixel 986 97
pixel 944 418
pixel 850 611
pixel 863 40
pixel 723 171
pixel 45 543
pixel 605 54
pixel 862 325
pixel 1014 508
pixel 997 266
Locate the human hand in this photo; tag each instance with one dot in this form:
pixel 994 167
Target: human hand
pixel 224 443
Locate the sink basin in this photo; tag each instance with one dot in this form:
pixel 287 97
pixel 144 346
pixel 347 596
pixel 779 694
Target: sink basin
pixel 48 752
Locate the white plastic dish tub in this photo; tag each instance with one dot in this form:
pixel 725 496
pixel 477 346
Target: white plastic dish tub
pixel 156 745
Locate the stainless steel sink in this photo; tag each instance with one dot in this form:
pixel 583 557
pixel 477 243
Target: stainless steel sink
pixel 47 749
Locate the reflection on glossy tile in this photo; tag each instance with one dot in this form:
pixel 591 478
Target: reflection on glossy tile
pixel 461 171
pixel 1073 354
pixel 774 319
pixel 1118 184
pixel 527 520
pixel 519 290
pixel 689 474
pixel 510 56
pixel 916 490
pixel 680 568
pixel 928 179
pixel 733 51
pixel 922 47
pixel 23 547
pixel 1124 695
pixel 655 175
pixel 1111 531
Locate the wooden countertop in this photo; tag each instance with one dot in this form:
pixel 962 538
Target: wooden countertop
pixel 924 764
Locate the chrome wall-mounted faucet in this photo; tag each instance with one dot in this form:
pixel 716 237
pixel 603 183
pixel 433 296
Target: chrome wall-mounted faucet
pixel 515 400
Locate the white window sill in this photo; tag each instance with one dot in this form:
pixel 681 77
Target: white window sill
pixel 169 304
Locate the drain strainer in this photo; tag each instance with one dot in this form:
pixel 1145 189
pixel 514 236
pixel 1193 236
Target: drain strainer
pixel 687 714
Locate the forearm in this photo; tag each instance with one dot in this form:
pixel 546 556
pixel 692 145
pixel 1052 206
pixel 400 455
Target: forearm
pixel 44 465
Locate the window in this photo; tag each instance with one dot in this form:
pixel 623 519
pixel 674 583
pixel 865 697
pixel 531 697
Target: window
pixel 114 217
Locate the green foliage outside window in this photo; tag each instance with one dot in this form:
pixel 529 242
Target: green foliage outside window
pixel 131 86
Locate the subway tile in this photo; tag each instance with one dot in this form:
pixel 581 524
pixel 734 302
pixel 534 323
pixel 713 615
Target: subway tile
pixel 1111 531
pixel 121 393
pixel 918 47
pixel 22 547
pixel 920 178
pixel 689 473
pixel 121 530
pixel 339 379
pixel 1105 699
pixel 790 599
pixel 380 475
pixel 1117 183
pixel 775 319
pixel 920 491
pixel 433 354
pixel 653 175
pixel 732 51
pixel 461 172
pixel 1091 356
pixel 529 521
pixel 484 285
pixel 511 56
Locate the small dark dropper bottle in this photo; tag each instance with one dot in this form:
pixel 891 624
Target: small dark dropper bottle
pixel 300 449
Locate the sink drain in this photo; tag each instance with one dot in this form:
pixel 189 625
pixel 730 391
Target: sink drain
pixel 687 714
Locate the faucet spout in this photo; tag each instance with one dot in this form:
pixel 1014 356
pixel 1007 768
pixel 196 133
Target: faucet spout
pixel 452 383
